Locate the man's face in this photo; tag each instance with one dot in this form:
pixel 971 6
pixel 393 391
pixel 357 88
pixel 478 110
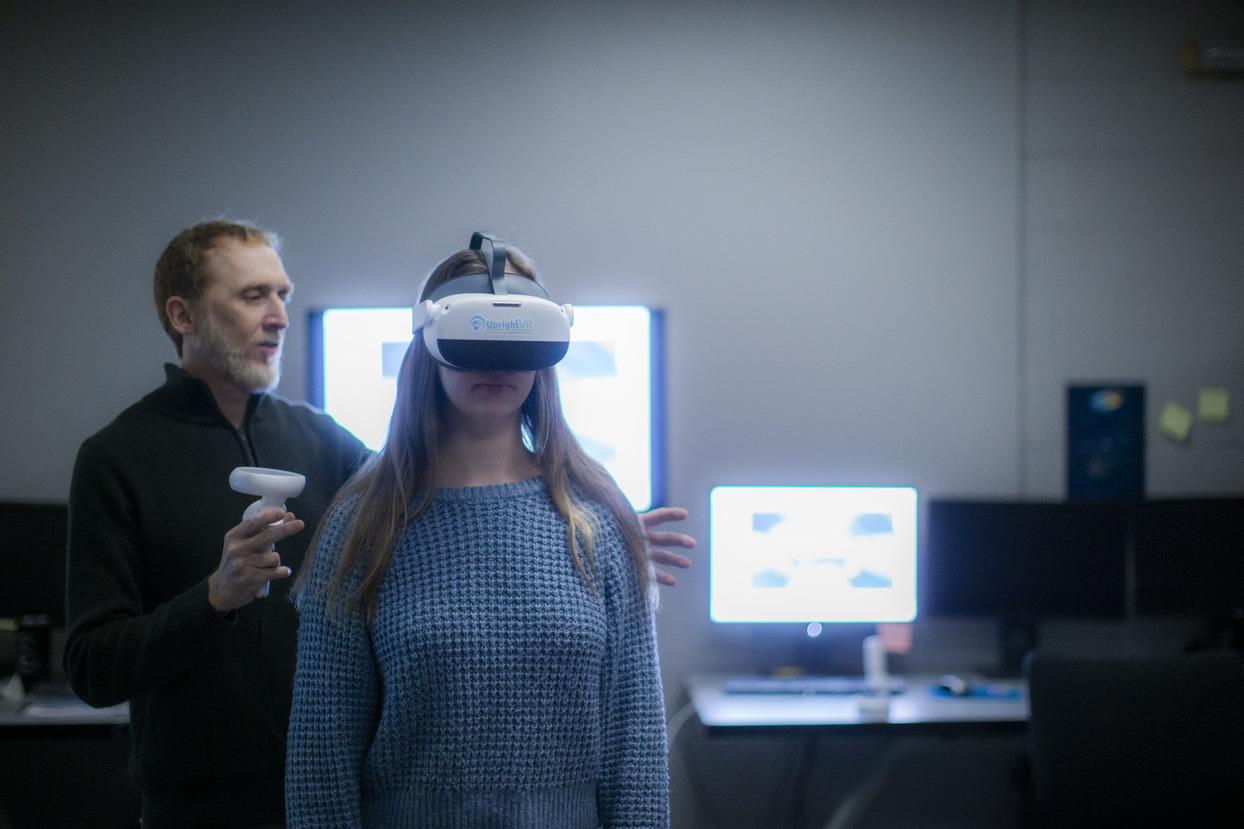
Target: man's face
pixel 240 320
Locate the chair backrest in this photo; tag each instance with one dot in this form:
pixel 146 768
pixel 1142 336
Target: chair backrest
pixel 1137 742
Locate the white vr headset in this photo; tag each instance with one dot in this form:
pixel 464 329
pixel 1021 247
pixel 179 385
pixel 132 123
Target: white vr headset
pixel 493 321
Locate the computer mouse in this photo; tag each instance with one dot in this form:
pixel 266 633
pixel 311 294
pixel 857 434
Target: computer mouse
pixel 956 685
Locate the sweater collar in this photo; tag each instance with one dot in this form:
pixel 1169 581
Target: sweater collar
pixel 189 398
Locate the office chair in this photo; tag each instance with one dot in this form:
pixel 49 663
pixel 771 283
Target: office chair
pixel 1136 742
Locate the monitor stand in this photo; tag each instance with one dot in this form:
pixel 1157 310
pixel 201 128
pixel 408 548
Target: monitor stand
pixel 1221 632
pixel 1016 639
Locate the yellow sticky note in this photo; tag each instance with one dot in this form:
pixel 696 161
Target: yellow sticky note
pixel 1176 421
pixel 1213 405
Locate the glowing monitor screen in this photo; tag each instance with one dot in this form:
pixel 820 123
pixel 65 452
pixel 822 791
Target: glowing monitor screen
pixel 812 554
pixel 608 382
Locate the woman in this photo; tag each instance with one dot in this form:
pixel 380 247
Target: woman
pixel 477 644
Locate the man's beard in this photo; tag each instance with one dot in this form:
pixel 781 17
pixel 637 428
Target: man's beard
pixel 235 362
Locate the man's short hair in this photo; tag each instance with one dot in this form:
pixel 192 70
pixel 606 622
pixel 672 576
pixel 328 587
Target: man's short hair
pixel 179 272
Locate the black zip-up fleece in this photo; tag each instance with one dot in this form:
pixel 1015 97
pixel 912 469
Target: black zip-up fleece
pixel 149 507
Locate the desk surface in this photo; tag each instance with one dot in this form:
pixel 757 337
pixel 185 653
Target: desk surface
pixel 57 706
pixel 918 707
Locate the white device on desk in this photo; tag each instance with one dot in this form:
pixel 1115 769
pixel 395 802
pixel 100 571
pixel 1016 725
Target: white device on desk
pixel 875 670
pixel 876 702
pixel 274 486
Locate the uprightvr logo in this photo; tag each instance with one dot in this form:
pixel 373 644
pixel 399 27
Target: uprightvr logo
pixel 513 326
pixel 503 326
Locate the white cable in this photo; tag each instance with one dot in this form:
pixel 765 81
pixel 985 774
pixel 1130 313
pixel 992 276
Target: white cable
pixel 676 722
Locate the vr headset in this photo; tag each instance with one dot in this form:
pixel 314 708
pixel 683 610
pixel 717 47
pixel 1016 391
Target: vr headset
pixel 493 321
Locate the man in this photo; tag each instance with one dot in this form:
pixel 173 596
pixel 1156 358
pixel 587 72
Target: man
pixel 160 613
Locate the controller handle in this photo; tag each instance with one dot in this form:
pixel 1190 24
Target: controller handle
pixel 273 486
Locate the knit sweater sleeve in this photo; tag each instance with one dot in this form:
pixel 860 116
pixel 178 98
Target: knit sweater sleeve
pixel 336 699
pixel 634 787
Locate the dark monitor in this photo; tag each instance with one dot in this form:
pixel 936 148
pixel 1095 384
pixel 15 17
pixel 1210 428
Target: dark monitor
pixel 33 539
pixel 1190 557
pixel 1024 560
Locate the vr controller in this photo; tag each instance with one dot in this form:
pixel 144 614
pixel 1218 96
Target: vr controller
pixel 493 321
pixel 273 486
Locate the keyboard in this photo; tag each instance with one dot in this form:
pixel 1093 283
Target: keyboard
pixel 806 684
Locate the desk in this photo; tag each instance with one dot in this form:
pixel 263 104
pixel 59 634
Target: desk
pixel 53 709
pixel 917 718
pixel 64 763
pixel 917 708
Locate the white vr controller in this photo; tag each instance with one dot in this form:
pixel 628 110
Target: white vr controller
pixel 274 486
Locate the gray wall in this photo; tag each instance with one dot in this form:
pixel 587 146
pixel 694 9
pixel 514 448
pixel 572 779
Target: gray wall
pixel 885 234
pixel 1132 261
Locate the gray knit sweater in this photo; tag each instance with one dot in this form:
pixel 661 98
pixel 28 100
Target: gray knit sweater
pixel 494 687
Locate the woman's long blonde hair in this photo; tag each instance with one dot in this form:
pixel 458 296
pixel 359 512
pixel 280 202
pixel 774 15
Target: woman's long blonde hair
pixel 409 462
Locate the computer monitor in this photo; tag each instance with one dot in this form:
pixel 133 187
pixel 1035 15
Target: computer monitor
pixel 1024 560
pixel 1019 563
pixel 1190 557
pixel 610 382
pixel 812 555
pixel 33 541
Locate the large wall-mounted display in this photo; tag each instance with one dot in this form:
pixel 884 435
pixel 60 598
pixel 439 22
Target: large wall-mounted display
pixel 610 381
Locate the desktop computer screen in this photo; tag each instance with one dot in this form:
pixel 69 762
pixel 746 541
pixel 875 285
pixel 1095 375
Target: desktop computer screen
pixel 812 554
pixel 1024 560
pixel 610 382
pixel 1190 557
pixel 33 541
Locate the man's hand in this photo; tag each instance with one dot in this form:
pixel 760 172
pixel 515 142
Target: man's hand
pixel 249 560
pixel 658 540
